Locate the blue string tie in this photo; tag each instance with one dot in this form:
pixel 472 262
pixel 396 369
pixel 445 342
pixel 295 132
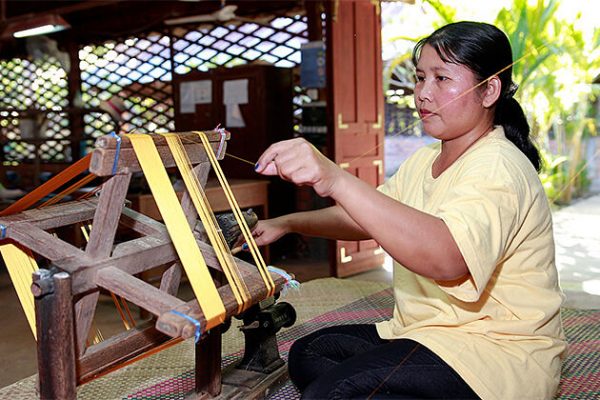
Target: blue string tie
pixel 290 283
pixel 2 231
pixel 117 152
pixel 193 321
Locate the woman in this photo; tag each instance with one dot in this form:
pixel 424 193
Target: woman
pixel 466 220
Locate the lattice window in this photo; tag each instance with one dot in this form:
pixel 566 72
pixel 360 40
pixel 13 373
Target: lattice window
pixel 273 39
pixel 34 95
pixel 136 70
pixel 276 41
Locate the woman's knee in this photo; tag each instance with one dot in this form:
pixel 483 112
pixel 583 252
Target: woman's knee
pixel 318 352
pixel 299 365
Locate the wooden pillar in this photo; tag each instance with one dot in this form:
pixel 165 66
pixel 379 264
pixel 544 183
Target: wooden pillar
pixel 55 336
pixel 76 113
pixel 314 9
pixel 208 363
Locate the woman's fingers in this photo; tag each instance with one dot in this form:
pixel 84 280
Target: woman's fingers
pixel 266 162
pixel 286 157
pixel 299 162
pixel 269 169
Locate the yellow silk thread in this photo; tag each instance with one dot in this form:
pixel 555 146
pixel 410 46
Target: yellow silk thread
pixel 179 229
pixel 260 263
pixel 209 221
pixel 21 265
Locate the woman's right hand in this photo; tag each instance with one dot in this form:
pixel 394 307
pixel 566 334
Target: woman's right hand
pixel 298 161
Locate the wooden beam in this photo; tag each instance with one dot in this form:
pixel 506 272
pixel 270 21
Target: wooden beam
pixel 105 155
pixel 106 218
pixel 176 326
pixel 136 291
pixel 137 256
pixel 103 159
pixel 142 223
pixel 188 138
pixel 118 349
pixel 156 251
pixel 171 279
pixel 45 244
pixel 85 310
pixel 55 216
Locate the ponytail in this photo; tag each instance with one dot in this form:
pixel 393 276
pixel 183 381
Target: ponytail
pixel 510 115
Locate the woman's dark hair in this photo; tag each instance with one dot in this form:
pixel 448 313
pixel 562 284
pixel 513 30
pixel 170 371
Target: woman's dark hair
pixel 485 50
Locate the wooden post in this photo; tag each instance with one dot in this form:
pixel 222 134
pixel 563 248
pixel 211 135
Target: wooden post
pixel 55 336
pixel 76 113
pixel 208 363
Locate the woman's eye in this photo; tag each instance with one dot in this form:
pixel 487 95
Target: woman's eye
pixel 420 78
pixel 441 78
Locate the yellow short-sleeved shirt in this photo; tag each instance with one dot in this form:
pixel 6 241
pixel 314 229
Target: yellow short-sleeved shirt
pixel 500 329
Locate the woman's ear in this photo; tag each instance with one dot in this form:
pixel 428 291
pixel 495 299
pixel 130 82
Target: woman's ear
pixel 492 91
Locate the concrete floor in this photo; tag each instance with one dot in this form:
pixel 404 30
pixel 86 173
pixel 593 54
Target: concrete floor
pixel 577 236
pixel 578 260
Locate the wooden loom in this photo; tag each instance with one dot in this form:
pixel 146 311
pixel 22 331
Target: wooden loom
pixel 66 294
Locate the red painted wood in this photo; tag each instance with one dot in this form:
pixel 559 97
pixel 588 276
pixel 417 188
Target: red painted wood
pixel 356 94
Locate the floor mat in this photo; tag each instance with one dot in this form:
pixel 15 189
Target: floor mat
pixel 320 303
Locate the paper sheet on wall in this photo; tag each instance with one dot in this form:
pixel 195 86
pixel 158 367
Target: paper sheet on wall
pixel 192 93
pixel 233 116
pixel 235 92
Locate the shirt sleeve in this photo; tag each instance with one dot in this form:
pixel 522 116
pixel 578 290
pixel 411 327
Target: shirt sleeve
pixel 481 213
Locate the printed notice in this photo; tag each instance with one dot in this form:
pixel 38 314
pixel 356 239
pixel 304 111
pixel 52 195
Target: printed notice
pixel 235 92
pixel 192 93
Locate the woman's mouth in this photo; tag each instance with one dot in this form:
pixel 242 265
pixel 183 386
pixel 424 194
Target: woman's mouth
pixel 425 113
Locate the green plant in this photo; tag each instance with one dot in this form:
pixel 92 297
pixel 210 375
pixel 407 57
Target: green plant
pixel 556 61
pixel 555 68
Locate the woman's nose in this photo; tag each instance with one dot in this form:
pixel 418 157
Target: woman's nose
pixel 423 91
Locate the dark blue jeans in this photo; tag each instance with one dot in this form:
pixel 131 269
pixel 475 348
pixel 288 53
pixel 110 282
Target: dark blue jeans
pixel 353 362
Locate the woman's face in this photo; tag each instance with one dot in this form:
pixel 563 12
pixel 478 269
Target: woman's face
pixel 446 101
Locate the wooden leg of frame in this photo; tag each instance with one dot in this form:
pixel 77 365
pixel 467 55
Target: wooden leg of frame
pixel 208 363
pixel 55 335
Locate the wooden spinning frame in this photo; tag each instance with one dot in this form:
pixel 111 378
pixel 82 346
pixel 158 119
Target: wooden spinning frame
pixel 67 292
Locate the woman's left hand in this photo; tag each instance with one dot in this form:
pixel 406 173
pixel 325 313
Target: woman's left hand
pixel 298 161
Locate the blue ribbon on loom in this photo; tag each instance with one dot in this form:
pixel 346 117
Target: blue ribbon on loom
pixel 2 231
pixel 118 151
pixel 193 321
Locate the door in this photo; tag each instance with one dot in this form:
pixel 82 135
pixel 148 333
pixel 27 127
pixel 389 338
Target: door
pixel 355 96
